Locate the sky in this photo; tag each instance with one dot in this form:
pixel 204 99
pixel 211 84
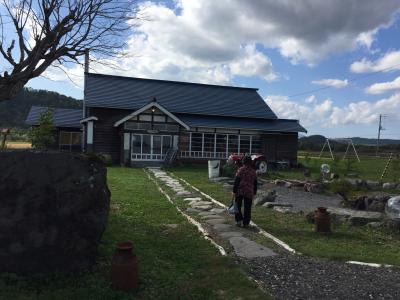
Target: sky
pixel 332 64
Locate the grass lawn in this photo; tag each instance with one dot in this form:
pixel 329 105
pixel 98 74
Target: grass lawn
pixel 345 243
pixel 174 263
pixel 370 168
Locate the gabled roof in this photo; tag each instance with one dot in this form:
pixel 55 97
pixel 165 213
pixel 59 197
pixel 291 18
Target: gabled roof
pixel 277 125
pixel 148 106
pixel 177 97
pixel 63 117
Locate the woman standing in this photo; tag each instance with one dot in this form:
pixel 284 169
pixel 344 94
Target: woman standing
pixel 244 188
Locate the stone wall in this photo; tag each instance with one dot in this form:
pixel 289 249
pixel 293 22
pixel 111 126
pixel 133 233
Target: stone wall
pixel 53 211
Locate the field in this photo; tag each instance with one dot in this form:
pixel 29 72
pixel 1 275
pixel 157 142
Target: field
pixel 174 261
pixel 18 145
pixel 345 243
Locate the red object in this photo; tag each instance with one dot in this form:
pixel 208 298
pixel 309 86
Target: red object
pixel 322 220
pixel 124 268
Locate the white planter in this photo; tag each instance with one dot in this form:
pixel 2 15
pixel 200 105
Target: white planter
pixel 213 168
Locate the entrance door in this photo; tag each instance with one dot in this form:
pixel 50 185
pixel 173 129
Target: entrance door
pixel 150 146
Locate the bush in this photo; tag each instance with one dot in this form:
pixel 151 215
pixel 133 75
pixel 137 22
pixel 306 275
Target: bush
pixel 43 135
pixel 229 170
pixel 104 158
pixel 341 187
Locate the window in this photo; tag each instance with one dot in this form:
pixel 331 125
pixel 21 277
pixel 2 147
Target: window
pixel 197 141
pixel 70 141
pixel 256 144
pixel 221 143
pixel 145 118
pixel 233 143
pixel 244 144
pixel 209 141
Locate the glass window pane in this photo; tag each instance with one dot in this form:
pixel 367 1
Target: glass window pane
pixel 76 138
pixel 244 144
pixel 233 143
pixel 196 141
pixel 65 138
pixel 146 144
pixel 221 143
pixel 136 143
pixel 166 141
pixel 256 144
pixel 156 144
pixel 209 141
pixel 184 142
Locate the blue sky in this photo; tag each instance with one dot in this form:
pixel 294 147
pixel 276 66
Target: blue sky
pixel 331 64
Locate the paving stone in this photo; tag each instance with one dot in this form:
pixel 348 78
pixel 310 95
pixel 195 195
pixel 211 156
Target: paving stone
pixel 173 226
pixel 203 207
pixel 216 221
pixel 183 193
pixel 246 248
pixel 206 213
pixel 218 210
pixel 229 234
pixel 211 217
pixel 222 227
pixel 192 210
pixel 192 199
pixel 200 203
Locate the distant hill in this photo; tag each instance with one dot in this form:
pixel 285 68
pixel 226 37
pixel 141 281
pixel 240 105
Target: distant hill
pixel 13 112
pixel 372 142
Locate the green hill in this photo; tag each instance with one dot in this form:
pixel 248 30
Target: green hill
pixel 13 112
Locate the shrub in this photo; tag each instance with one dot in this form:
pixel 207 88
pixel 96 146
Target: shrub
pixel 43 136
pixel 341 187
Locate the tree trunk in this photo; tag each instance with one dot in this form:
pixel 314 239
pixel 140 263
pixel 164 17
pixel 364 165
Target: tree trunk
pixel 9 88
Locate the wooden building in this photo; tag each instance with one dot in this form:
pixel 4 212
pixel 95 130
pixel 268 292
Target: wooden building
pixel 137 121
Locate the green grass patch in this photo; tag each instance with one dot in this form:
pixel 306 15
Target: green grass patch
pixel 345 243
pixel 173 263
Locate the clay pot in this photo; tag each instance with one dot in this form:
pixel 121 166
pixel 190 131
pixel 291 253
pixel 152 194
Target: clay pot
pixel 322 220
pixel 124 268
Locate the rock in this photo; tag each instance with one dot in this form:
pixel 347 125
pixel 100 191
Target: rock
pixel 183 193
pixel 209 217
pixel 172 226
pixel 276 204
pixel 192 210
pixel 354 217
pixel 372 184
pixel 206 213
pixel 354 181
pixel 53 211
pixel 246 248
pixel 392 208
pixel 334 176
pixel 280 182
pixel 264 196
pixel 375 224
pixel 203 207
pixel 200 203
pixel 389 185
pixel 313 187
pixel 281 209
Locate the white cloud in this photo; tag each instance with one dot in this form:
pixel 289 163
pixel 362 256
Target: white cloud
pixel 212 41
pixel 382 87
pixel 325 114
pixel 336 83
pixel 311 99
pixel 388 62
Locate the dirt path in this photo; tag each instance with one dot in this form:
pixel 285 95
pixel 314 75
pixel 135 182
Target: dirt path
pixel 284 275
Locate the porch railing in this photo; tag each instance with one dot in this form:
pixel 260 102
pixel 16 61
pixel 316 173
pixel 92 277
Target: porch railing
pixel 203 154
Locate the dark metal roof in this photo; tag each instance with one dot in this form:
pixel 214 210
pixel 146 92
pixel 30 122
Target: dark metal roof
pixel 63 117
pixel 177 97
pixel 277 125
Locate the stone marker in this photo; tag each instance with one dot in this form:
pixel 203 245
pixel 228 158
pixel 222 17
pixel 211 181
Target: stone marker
pixel 248 249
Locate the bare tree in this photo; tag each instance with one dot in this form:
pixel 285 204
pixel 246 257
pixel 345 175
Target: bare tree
pixel 46 32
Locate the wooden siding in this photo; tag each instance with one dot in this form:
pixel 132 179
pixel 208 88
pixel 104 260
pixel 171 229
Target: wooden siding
pixel 107 138
pixel 278 147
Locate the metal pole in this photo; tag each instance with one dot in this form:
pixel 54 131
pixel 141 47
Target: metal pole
pixel 379 134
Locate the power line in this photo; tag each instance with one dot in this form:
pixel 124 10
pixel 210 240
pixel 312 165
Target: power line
pixel 349 80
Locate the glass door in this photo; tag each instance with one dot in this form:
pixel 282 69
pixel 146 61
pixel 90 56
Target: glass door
pixel 150 147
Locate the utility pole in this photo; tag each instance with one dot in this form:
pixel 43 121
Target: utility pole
pixel 379 134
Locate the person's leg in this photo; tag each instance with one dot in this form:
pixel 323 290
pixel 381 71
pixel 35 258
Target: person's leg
pixel 247 211
pixel 238 215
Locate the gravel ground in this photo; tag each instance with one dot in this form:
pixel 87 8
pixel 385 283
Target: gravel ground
pixel 301 277
pixel 302 200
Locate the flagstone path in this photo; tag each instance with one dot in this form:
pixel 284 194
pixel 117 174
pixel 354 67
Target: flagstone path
pixel 284 275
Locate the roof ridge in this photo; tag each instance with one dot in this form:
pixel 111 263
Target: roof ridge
pixel 172 81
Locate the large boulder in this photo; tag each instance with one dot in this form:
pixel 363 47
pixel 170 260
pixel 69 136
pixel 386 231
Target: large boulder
pixel 264 196
pixel 53 211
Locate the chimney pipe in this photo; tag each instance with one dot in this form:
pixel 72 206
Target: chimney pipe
pixel 87 60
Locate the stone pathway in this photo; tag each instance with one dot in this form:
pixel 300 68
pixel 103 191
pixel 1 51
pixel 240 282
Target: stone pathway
pixel 284 275
pixel 216 218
